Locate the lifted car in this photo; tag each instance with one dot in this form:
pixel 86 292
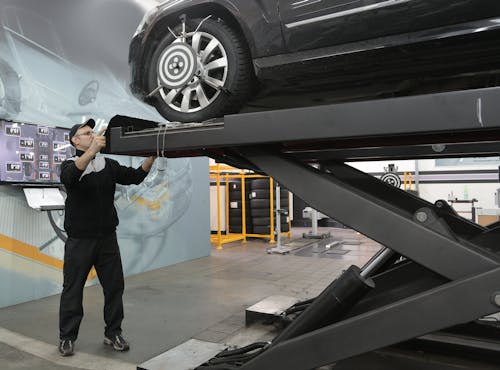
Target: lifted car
pixel 199 59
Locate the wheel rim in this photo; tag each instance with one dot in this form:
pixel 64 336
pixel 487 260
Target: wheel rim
pixel 203 78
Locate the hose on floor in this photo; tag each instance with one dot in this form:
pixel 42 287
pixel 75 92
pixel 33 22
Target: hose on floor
pixel 232 359
pixel 239 351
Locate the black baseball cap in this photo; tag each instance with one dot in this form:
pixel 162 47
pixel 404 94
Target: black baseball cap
pixel 90 122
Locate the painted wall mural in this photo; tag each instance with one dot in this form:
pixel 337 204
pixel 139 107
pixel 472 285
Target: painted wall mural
pixel 61 62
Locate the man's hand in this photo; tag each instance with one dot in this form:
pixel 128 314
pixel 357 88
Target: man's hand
pixel 98 142
pixel 148 162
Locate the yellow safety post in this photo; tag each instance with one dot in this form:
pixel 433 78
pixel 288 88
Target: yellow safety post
pixel 216 172
pixel 289 219
pixel 407 180
pixel 271 206
pixel 243 208
pixel 227 204
pixel 219 234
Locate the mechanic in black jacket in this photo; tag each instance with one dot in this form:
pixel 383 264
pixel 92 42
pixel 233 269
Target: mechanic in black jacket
pixel 91 221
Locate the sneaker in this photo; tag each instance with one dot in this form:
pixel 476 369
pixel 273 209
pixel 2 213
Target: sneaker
pixel 66 347
pixel 118 342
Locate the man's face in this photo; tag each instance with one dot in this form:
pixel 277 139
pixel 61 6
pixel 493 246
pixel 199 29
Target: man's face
pixel 83 138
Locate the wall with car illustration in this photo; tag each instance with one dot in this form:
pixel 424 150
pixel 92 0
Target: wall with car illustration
pixel 62 62
pixel 163 221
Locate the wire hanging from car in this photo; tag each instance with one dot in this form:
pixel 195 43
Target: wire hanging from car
pixel 160 153
pixel 202 21
pixel 184 34
pixel 158 141
pixel 163 146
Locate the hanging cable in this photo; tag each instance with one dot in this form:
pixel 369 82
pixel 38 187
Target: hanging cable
pixel 158 141
pixel 163 147
pixel 232 359
pixel 239 351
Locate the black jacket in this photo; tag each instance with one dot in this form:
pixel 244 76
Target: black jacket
pixel 90 211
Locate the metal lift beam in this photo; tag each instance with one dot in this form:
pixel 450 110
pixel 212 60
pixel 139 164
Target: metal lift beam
pixel 453 265
pixel 409 226
pixel 467 117
pixel 333 194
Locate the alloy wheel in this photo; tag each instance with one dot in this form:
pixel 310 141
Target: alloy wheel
pixel 192 73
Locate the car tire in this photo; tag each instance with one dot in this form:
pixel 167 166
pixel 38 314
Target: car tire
pixel 266 194
pixel 260 212
pixel 263 230
pixel 234 195
pixel 238 212
pixel 235 186
pixel 235 221
pixel 10 91
pixel 261 221
pixel 260 184
pixel 235 80
pixel 239 229
pixel 260 204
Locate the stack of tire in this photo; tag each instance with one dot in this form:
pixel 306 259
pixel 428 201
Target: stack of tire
pixel 236 208
pixel 260 206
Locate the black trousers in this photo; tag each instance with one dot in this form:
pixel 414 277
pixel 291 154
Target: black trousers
pixel 79 257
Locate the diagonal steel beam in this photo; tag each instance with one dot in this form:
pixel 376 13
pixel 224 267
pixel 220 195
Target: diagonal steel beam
pixel 404 200
pixel 376 218
pixel 447 305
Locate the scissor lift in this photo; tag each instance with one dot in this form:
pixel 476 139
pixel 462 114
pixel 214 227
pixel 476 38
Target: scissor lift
pixel 439 270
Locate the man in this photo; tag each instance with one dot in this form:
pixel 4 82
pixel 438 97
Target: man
pixel 90 221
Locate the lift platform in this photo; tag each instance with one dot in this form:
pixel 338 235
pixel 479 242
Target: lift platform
pixel 438 270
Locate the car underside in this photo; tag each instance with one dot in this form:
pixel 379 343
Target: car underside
pixel 458 63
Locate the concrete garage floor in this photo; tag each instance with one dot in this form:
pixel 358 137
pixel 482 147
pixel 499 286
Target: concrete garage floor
pixel 203 299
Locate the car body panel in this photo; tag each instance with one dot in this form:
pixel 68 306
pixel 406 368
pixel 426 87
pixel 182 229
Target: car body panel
pixel 334 22
pixel 310 24
pixel 305 56
pixel 429 14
